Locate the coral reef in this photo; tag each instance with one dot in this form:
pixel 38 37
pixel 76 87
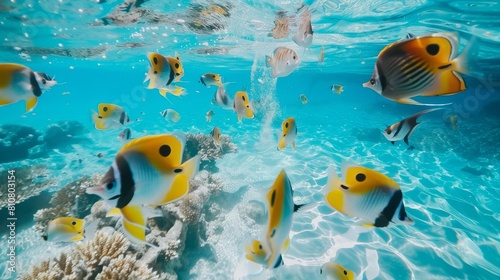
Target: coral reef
pixel 69 52
pixel 16 140
pixel 71 200
pixel 63 133
pixel 203 145
pixel 30 181
pixel 103 257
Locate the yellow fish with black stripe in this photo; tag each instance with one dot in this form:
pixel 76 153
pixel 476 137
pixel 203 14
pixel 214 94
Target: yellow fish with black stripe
pixel 216 136
pixel 110 116
pixel 334 271
pixel 420 66
pixel 288 133
pixel 65 229
pixel 275 239
pixel 242 107
pixel 18 82
pixel 163 72
pixel 146 171
pixel 366 194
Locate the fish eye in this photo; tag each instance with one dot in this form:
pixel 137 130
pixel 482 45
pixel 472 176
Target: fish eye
pixel 372 81
pixel 155 60
pixel 73 223
pixel 177 74
pixel 44 81
pixel 260 247
pixel 294 57
pixel 156 72
pixel 110 185
pixel 105 109
pixel 360 177
pixel 345 272
pixel 213 76
pixel 243 97
pixel 286 125
pixel 320 271
pixel 177 65
pixel 165 150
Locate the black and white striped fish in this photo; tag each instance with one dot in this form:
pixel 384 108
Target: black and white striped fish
pixel 403 129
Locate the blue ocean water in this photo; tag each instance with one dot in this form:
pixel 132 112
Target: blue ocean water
pixel 449 180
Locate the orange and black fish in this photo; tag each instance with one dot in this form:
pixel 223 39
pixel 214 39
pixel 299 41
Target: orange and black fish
pixel 420 66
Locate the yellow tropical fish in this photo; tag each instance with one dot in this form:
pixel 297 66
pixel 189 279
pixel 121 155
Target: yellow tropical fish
pixel 146 171
pixel 125 135
pixel 288 133
pixel 242 107
pixel 366 194
pixel 338 89
pixel 65 229
pixel 18 82
pixel 216 136
pixel 303 99
pixel 420 66
pixel 163 71
pixel 209 115
pixel 275 238
pixel 110 116
pixel 176 90
pixel 334 271
pixel 209 79
pixel 170 115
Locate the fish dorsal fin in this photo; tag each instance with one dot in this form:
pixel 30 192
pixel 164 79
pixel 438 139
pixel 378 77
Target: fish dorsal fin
pixel 164 151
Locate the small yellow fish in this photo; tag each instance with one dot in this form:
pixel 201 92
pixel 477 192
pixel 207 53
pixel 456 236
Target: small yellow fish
pixel 65 229
pixel 242 107
pixel 170 115
pixel 146 171
pixel 275 239
pixel 288 133
pixel 18 82
pixel 303 99
pixel 163 71
pixel 366 194
pixel 209 115
pixel 420 66
pixel 216 136
pixel 338 89
pixel 454 121
pixel 110 116
pixel 334 271
pixel 209 79
pixel 321 56
pixel 177 91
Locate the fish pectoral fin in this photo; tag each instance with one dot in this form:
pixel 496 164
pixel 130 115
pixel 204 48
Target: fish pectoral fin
pixel 134 214
pixel 179 189
pixel 115 212
pixel 239 119
pixel 450 82
pixel 366 224
pixel 413 102
pixel 78 237
pixel 31 103
pixel 163 92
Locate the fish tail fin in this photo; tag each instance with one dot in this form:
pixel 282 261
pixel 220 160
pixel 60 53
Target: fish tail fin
pixel 191 167
pixel 269 61
pixel 466 62
pixel 332 181
pixel 134 223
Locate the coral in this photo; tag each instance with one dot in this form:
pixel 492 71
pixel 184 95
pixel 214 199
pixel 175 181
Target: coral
pixel 126 267
pixel 16 140
pixel 30 181
pixel 71 200
pixel 62 133
pixel 105 253
pixel 203 145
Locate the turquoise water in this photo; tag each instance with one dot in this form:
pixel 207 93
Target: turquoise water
pixel 449 180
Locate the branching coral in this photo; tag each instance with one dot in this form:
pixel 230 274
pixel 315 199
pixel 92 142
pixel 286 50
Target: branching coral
pixel 203 145
pixel 30 181
pixel 90 259
pixel 126 267
pixel 71 200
